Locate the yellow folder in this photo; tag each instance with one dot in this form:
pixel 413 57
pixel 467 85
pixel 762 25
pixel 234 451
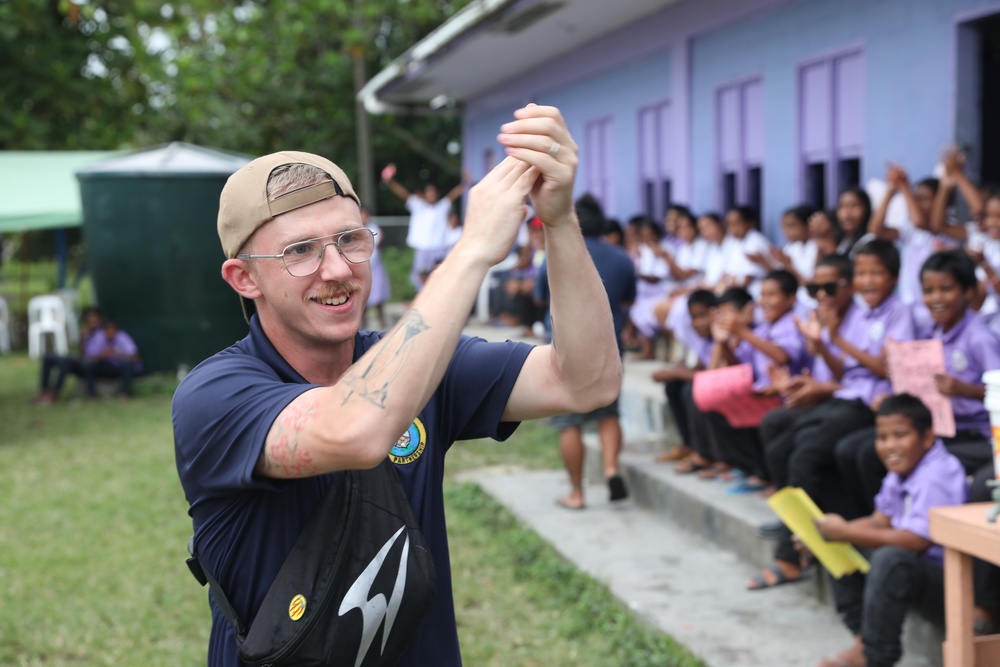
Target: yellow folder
pixel 796 509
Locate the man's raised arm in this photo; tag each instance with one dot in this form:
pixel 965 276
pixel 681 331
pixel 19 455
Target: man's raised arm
pixel 581 370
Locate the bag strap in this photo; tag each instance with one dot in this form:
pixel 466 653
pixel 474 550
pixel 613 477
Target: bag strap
pixel 203 576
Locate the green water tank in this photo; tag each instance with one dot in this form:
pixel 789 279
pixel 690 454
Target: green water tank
pixel 149 221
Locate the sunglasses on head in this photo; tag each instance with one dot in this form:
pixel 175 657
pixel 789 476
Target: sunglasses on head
pixel 829 288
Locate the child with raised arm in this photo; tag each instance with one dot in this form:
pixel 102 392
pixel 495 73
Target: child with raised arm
pixel 734 304
pixel 906 566
pixel 916 241
pixel 773 343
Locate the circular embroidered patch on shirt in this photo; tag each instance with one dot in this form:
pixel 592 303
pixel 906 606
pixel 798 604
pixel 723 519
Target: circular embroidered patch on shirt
pixel 296 607
pixel 410 445
pixel 959 362
pixel 876 331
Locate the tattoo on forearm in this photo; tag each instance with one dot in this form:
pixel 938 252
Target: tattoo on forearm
pixel 283 454
pixel 371 380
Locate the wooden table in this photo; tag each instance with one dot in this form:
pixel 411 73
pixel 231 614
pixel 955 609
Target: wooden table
pixel 964 533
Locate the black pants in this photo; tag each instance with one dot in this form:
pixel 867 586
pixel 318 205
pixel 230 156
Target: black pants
pixel 782 431
pixel 105 369
pixel 714 439
pixel 699 427
pixel 812 464
pixel 874 606
pixel 675 401
pixel 64 366
pixel 777 436
pixel 738 447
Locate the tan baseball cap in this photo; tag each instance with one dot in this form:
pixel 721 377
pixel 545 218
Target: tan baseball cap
pixel 244 207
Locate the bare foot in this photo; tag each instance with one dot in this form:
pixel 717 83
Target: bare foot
pixel 574 501
pixel 849 657
pixel 47 397
pixel 676 454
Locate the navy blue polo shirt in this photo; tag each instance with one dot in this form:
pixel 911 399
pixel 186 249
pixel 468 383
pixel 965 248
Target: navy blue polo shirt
pixel 245 525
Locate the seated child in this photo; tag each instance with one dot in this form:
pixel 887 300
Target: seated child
pixel 799 254
pixel 774 343
pixel 970 349
pixel 653 283
pixel 914 238
pixel 852 349
pixel 906 567
pixel 687 264
pixel 834 293
pixel 696 336
pixel 64 365
pixel 734 303
pixel 743 241
pixel 849 343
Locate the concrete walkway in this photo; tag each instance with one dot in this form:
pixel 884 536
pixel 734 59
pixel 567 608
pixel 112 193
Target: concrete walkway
pixel 680 583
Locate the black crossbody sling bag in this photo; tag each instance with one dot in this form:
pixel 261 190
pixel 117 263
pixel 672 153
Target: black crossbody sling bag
pixel 360 564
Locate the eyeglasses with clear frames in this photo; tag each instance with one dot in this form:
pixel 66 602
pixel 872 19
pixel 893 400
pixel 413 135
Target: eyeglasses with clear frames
pixel 304 258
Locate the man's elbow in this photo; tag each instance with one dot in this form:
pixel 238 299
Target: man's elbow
pixel 604 389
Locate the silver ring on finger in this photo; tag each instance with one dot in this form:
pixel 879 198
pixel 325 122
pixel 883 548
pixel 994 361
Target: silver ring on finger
pixel 554 148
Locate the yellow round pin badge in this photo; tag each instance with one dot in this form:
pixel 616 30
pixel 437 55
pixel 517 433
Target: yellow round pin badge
pixel 297 607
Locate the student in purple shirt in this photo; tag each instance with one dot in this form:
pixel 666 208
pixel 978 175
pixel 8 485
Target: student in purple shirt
pixel 853 351
pixel 111 355
pixel 774 343
pixel 833 290
pixel 906 567
pixel 695 333
pixel 971 348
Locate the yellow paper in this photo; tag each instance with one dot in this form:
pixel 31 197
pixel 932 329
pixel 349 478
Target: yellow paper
pixel 796 510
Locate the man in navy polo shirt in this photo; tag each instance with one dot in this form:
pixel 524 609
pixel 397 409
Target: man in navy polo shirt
pixel 261 427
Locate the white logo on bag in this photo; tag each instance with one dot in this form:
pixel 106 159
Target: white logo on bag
pixel 377 608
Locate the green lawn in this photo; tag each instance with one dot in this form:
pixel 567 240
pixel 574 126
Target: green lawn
pixel 94 530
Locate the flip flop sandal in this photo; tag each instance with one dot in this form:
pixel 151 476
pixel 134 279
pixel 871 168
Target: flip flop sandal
pixel 760 583
pixel 690 466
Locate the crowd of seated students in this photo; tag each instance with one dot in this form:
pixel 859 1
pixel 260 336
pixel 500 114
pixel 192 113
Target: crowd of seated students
pixel 812 319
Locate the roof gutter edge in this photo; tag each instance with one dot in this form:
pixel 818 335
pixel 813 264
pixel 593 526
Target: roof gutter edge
pixel 426 48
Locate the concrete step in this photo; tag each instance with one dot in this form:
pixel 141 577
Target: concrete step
pixel 676 580
pixel 704 507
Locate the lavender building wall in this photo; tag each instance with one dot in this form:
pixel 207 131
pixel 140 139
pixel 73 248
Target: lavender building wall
pixel 751 84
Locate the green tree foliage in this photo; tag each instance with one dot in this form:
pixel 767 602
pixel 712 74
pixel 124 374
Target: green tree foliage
pixel 252 77
pixel 67 79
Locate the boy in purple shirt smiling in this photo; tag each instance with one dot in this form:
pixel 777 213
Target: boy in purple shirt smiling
pixel 906 567
pixel 852 349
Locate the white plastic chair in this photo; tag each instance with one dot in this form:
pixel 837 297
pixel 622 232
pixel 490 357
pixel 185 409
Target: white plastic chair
pixel 4 327
pixel 47 317
pixel 71 299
